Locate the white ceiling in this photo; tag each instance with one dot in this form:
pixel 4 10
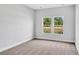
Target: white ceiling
pixel 44 6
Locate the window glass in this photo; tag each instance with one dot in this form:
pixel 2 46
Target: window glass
pixel 47 25
pixel 58 25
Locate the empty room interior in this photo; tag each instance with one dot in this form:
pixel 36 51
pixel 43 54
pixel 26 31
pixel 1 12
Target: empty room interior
pixel 39 29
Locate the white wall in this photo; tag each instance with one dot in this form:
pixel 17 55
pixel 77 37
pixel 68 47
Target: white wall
pixel 69 23
pixel 77 27
pixel 16 25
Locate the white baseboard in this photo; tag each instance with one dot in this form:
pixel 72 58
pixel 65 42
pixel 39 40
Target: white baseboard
pixel 56 39
pixel 14 45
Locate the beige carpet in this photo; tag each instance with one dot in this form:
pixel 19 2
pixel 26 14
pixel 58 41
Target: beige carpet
pixel 42 47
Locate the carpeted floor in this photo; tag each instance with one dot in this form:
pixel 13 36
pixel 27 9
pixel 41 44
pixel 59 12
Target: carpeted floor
pixel 42 47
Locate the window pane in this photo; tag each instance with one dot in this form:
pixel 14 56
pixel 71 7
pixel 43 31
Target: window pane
pixel 58 25
pixel 47 25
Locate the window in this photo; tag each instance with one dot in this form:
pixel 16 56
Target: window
pixel 58 24
pixel 47 25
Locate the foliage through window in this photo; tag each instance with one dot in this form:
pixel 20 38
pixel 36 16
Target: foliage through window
pixel 58 24
pixel 47 24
